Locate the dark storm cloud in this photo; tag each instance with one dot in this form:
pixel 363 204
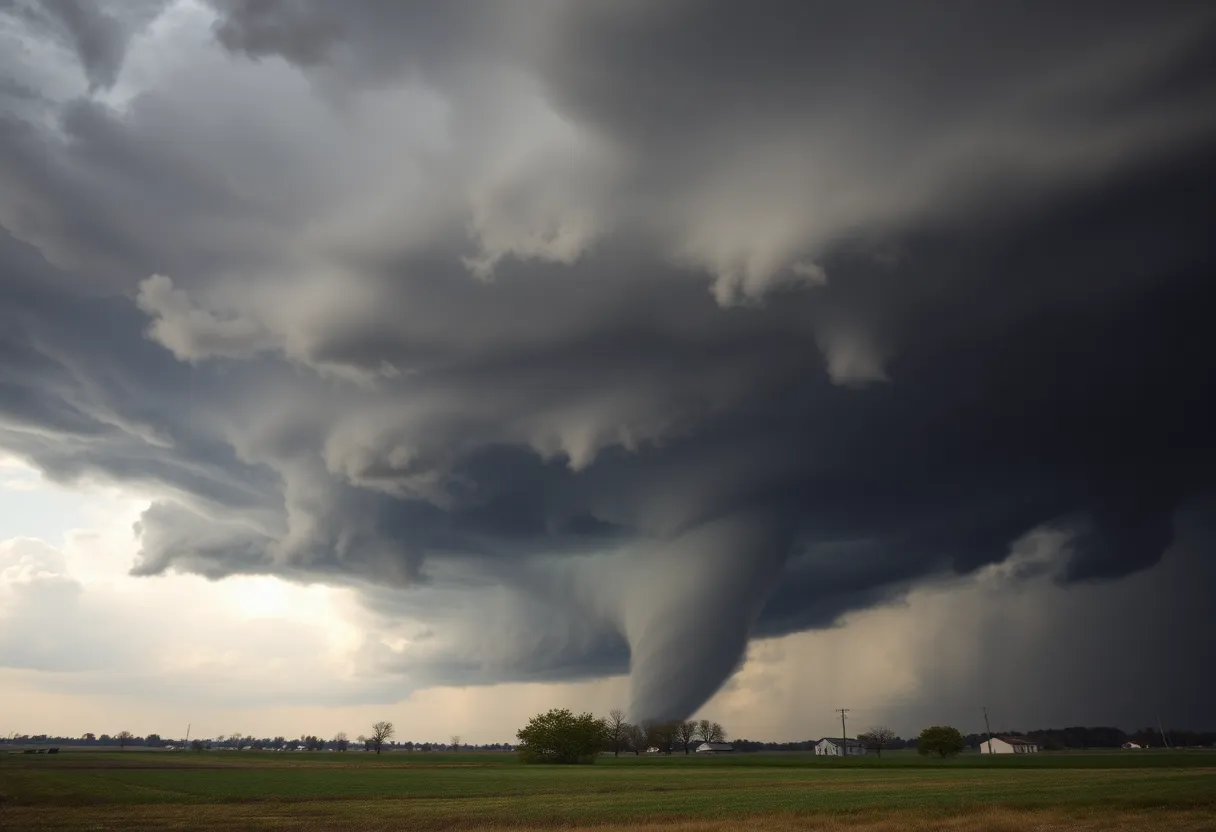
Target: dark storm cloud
pixel 681 324
pixel 98 32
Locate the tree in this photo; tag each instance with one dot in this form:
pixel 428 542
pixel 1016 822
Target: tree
pixel 153 741
pixel 235 739
pixel 559 736
pixel 661 734
pixel 618 731
pixel 710 731
pixel 877 738
pixel 455 741
pixel 639 741
pixel 196 745
pixel 686 733
pixel 942 740
pixel 340 741
pixel 382 732
pixel 123 738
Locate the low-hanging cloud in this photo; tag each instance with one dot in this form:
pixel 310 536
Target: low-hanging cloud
pixel 577 337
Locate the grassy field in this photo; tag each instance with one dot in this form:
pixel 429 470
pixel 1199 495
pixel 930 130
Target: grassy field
pixel 156 790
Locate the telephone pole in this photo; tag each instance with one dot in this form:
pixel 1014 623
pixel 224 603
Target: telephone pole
pixel 844 740
pixel 988 728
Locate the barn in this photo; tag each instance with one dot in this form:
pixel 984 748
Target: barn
pixel 1007 745
pixel 714 748
pixel 832 747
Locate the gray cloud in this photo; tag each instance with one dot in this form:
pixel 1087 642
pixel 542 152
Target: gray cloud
pixel 98 32
pixel 626 333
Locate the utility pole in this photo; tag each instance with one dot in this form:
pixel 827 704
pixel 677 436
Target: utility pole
pixel 844 740
pixel 988 728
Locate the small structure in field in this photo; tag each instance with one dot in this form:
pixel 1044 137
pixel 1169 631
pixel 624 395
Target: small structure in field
pixel 714 748
pixel 834 747
pixel 1131 745
pixel 1008 745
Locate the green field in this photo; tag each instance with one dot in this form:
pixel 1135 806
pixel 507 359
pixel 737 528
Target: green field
pixel 250 790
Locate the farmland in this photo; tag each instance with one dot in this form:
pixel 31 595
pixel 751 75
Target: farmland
pixel 247 790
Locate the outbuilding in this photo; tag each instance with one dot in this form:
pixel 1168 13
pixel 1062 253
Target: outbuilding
pixel 714 748
pixel 1008 745
pixel 832 747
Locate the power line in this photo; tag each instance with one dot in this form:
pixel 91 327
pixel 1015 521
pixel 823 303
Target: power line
pixel 844 739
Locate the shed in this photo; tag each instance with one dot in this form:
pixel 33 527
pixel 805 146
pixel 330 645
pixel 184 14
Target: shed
pixel 1008 745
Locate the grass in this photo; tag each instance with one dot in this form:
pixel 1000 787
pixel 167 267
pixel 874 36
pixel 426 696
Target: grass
pixel 153 790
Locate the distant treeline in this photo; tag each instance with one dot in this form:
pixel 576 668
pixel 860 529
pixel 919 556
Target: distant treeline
pixel 1059 739
pixel 1049 739
pixel 307 742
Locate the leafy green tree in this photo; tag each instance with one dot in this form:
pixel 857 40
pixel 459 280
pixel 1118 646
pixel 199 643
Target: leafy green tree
pixel 942 740
pixel 559 736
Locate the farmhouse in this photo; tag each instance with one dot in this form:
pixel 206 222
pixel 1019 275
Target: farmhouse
pixel 1007 745
pixel 831 747
pixel 714 747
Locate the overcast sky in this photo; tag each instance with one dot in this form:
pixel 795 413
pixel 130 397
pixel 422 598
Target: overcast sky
pixel 448 362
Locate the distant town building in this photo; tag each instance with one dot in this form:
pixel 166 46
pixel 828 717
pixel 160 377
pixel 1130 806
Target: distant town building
pixel 1008 745
pixel 714 747
pixel 832 747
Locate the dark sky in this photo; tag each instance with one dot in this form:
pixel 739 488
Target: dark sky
pixel 675 325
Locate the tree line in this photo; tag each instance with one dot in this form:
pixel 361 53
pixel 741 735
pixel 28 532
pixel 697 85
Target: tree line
pixel 560 736
pixel 620 736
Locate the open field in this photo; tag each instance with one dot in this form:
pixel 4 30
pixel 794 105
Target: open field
pixel 249 790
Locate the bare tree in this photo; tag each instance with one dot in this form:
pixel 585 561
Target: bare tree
pixel 877 738
pixel 123 738
pixel 618 730
pixel 639 741
pixel 710 731
pixel 235 738
pixel 686 733
pixel 455 741
pixel 382 732
pixel 340 741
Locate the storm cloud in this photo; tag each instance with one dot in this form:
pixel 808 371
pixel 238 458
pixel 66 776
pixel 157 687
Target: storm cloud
pixel 605 337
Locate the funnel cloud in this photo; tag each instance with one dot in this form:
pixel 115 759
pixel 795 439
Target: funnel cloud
pixel 602 338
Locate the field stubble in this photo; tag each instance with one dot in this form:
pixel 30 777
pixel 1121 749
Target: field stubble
pixel 149 790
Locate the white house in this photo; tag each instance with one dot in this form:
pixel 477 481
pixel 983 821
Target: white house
pixel 829 747
pixel 1008 745
pixel 714 747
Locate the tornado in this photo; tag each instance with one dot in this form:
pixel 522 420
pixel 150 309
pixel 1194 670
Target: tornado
pixel 692 607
